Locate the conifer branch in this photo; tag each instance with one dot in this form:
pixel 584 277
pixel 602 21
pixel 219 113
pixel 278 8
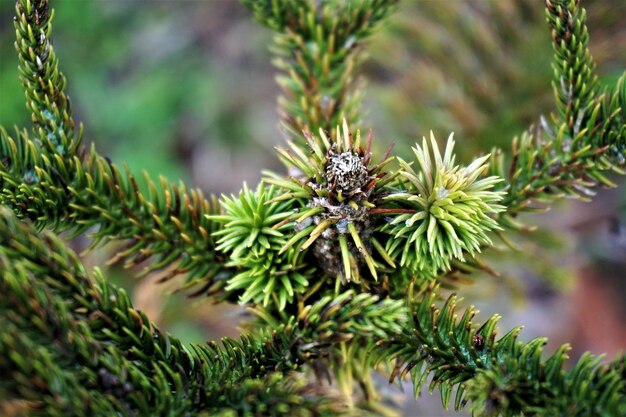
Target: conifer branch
pixel 501 377
pixel 318 47
pixel 53 181
pixel 89 351
pixel 114 360
pixel 575 83
pixel 78 193
pixel 543 169
pixel 74 345
pixel 276 395
pixel 43 82
pixel 608 119
pixel 592 116
pixel 571 155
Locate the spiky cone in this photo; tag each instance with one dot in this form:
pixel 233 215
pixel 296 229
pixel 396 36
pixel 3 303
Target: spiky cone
pixel 253 235
pixel 336 186
pixel 448 210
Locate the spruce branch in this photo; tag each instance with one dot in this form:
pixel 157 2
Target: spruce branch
pixel 448 209
pixel 422 220
pixel 276 395
pixel 79 193
pixel 593 116
pixel 608 124
pixel 547 163
pixel 82 339
pixel 53 181
pixel 87 351
pixel 74 345
pixel 44 85
pixel 347 325
pixel 543 169
pixel 504 376
pixel 571 155
pixel 575 84
pixel 318 47
pixel 91 353
pixel 253 236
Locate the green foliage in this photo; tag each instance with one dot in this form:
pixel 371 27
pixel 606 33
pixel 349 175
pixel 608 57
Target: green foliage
pixel 382 240
pixel 445 203
pixel 499 376
pixel 337 186
pixel 95 355
pixel 168 225
pixel 92 353
pixel 343 197
pixel 571 155
pixel 253 236
pixel 318 48
pixel 575 83
pixel 41 79
pixel 275 395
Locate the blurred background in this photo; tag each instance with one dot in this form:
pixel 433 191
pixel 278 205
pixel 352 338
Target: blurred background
pixel 185 89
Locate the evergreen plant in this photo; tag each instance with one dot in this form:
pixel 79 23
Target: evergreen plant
pixel 341 258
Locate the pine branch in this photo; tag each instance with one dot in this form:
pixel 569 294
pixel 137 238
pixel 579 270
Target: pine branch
pixel 43 83
pixel 318 47
pixel 167 226
pixel 503 377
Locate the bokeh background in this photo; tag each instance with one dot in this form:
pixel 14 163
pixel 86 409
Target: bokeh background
pixel 186 89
